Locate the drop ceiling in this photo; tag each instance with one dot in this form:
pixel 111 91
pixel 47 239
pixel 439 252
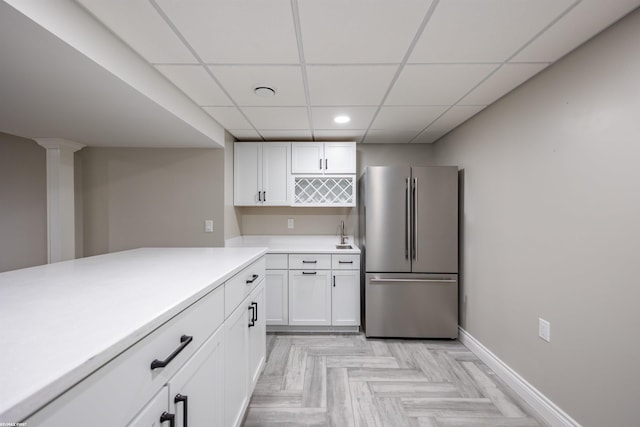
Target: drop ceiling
pixel 405 71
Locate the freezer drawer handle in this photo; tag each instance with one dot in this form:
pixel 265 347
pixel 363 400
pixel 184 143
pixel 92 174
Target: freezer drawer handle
pixel 309 262
pixel 185 417
pixel 310 273
pixel 168 417
pixel 185 340
pixel 416 280
pixel 253 279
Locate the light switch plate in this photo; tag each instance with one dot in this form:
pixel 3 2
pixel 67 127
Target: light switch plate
pixel 290 223
pixel 208 226
pixel 544 329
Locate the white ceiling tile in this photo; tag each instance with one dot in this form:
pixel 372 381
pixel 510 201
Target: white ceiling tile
pixel 386 136
pixel 359 31
pixel 436 84
pixel 194 81
pixel 237 32
pixel 286 135
pixel 277 118
pixel 139 25
pixel 349 85
pixel 452 118
pixel 339 135
pixel 501 82
pixel 360 117
pixel 245 134
pixel 229 117
pixel 483 31
pixel 240 80
pixel 584 21
pixel 407 118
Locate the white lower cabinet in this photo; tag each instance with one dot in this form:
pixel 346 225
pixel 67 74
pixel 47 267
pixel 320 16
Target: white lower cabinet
pixel 309 297
pixel 277 297
pixel 236 364
pixel 156 411
pixel 345 298
pixel 257 335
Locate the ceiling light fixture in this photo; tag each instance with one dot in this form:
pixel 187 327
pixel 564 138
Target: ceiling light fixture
pixel 342 119
pixel 264 91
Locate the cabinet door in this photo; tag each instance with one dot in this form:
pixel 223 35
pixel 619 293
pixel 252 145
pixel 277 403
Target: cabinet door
pixel 307 157
pixel 257 336
pixel 276 158
pixel 309 297
pixel 153 411
pixel 340 157
pixel 277 297
pixel 247 173
pixel 196 392
pixel 345 298
pixel 236 365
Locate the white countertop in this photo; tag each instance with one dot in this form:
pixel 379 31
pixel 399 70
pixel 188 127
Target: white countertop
pixel 294 244
pixel 60 322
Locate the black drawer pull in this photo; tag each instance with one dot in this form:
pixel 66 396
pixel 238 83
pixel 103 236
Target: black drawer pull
pixel 345 262
pixel 168 417
pixel 253 279
pixel 185 340
pixel 183 399
pixel 252 321
pixel 255 312
pixel 310 273
pixel 309 262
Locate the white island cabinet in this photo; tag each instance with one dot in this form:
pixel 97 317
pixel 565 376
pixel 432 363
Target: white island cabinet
pixel 136 338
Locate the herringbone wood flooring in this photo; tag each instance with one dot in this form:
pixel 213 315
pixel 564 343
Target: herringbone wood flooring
pixel 348 380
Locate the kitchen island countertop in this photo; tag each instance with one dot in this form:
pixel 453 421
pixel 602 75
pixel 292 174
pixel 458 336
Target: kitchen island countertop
pixel 61 322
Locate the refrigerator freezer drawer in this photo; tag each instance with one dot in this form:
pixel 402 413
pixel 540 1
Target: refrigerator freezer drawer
pixel 411 306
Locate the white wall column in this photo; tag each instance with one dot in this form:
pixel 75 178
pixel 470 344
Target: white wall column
pixel 61 240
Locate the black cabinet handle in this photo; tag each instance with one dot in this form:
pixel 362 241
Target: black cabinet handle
pixel 326 164
pixel 320 164
pixel 264 196
pixel 253 279
pixel 334 281
pixel 309 262
pixel 168 417
pixel 311 273
pixel 255 311
pixel 185 340
pixel 252 321
pixel 259 196
pixel 345 262
pixel 183 399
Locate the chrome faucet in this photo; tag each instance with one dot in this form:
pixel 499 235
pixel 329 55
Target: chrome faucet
pixel 343 237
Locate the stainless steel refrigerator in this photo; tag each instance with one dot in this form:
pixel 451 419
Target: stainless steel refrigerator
pixel 409 241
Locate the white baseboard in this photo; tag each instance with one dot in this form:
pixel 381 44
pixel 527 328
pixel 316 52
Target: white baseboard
pixel 543 407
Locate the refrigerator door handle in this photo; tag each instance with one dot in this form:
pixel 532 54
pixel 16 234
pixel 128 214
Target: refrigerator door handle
pixel 415 280
pixel 414 240
pixel 407 225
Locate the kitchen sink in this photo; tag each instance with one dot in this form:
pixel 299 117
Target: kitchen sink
pixel 345 246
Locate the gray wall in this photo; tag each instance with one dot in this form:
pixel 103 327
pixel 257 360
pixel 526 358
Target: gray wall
pixel 231 217
pixel 23 203
pixel 273 220
pixel 551 227
pixel 137 197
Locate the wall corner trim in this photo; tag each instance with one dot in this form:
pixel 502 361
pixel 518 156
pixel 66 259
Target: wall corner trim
pixel 541 405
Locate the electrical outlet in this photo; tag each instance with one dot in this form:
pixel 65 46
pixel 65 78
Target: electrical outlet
pixel 208 226
pixel 544 329
pixel 290 223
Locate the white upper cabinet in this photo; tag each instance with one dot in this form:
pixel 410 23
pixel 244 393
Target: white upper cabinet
pixel 323 158
pixel 261 173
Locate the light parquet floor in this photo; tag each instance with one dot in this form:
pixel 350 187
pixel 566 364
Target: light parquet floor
pixel 348 380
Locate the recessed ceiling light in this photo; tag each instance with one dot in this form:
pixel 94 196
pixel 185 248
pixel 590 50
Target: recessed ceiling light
pixel 342 119
pixel 264 91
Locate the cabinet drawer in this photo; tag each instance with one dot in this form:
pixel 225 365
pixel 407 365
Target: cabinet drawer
pixel 345 262
pixel 277 261
pixel 309 261
pixel 114 394
pixel 239 286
